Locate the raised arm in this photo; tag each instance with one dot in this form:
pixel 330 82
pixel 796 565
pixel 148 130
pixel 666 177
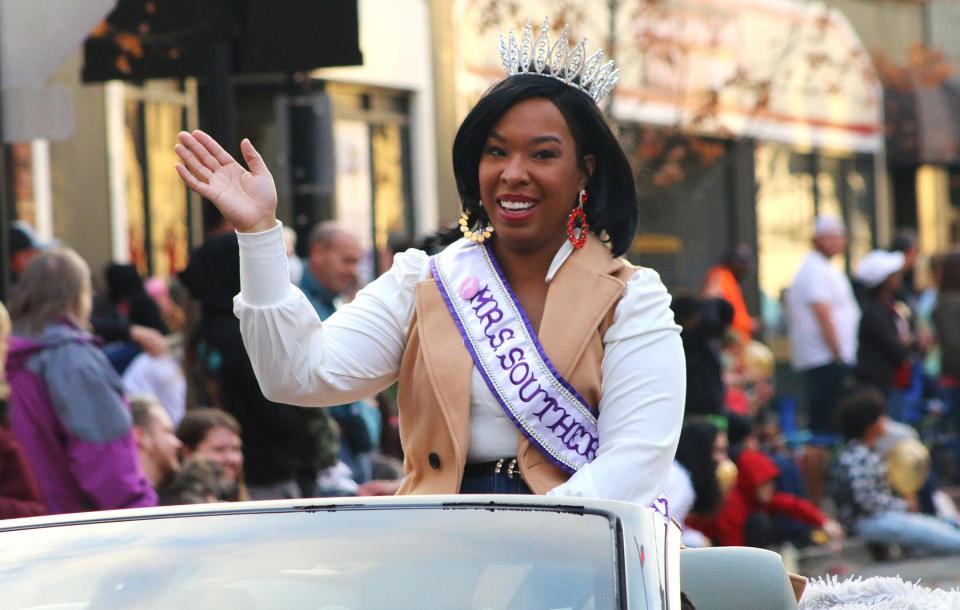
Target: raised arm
pixel 248 199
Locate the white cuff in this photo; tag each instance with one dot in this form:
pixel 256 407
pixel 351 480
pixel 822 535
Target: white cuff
pixel 264 279
pixel 580 485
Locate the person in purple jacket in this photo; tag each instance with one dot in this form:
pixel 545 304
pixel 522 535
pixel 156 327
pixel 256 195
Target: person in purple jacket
pixel 67 407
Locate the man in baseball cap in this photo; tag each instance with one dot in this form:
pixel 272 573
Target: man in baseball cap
pixel 23 247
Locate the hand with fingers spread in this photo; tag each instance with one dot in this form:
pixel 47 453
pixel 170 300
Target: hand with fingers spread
pixel 248 199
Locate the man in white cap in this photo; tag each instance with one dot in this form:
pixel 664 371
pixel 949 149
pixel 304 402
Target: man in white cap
pixel 823 318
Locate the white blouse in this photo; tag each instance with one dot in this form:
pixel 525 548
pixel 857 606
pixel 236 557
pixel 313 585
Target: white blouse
pixel 357 352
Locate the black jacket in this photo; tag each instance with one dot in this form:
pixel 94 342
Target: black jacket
pixel 880 351
pixel 276 444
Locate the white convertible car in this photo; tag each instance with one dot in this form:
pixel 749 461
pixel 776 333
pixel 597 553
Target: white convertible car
pixel 401 553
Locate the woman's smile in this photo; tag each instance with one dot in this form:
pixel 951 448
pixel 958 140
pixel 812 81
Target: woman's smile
pixel 516 208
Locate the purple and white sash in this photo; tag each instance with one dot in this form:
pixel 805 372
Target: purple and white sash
pixel 508 354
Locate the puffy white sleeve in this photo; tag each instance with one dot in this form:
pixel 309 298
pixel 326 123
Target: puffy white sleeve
pixel 298 360
pixel 642 392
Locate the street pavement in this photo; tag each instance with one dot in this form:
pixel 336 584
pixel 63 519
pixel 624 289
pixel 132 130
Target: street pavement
pixel 854 560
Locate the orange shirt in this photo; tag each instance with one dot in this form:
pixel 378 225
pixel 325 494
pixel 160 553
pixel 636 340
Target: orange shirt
pixel 720 282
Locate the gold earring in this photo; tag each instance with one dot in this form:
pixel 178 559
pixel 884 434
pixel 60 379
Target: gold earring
pixel 479 235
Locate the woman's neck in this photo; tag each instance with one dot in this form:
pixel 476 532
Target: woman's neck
pixel 522 266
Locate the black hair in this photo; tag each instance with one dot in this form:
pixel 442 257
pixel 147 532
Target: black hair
pixel 858 411
pixel 695 453
pixel 612 204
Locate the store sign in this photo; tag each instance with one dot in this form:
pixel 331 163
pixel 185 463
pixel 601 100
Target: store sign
pixel 776 70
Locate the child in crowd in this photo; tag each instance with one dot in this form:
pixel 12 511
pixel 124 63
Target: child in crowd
pixel 215 435
pixel 745 517
pixel 859 485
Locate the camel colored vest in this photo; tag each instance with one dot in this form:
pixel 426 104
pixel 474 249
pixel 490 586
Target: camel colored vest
pixel 435 372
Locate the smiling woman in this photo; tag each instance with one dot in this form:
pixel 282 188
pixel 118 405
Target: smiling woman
pixel 530 357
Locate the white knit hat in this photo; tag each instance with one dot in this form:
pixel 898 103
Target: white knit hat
pixel 877 266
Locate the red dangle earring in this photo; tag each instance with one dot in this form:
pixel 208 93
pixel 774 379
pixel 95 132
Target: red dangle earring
pixel 577 223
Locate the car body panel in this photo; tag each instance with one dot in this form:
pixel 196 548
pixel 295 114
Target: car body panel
pixel 472 551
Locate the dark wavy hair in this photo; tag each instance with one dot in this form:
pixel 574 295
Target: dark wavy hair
pixel 695 453
pixel 612 207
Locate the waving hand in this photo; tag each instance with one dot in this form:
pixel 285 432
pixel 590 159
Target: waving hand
pixel 248 199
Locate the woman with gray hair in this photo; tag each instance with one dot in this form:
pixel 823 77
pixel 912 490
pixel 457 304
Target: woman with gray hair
pixel 67 407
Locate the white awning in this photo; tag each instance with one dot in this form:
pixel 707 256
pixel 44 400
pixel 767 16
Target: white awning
pixel 776 70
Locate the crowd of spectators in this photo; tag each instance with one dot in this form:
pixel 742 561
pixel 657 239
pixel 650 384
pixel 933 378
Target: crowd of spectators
pixel 122 392
pixel 141 393
pixel 873 385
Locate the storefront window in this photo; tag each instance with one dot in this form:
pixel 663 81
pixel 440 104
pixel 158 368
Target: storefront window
pixel 169 219
pixel 156 202
pixel 794 187
pixel 352 141
pixel 20 157
pixel 785 209
pixel 372 169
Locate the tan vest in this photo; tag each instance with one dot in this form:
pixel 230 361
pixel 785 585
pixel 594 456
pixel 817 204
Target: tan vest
pixel 435 373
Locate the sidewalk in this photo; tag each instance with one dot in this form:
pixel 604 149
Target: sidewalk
pixel 856 560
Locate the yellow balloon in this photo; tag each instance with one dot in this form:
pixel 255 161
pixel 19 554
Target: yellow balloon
pixel 726 475
pixel 908 464
pixel 758 360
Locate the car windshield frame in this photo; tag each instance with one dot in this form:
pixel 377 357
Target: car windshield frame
pixel 614 527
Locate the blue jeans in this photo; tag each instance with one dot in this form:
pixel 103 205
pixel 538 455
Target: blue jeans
pixel 493 484
pixel 915 530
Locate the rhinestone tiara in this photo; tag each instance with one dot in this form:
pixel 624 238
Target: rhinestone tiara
pixel 559 61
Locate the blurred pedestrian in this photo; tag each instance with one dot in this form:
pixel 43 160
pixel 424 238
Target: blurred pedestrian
pixel 67 406
pixel 157 445
pixel 723 281
pixel 704 323
pixel 126 304
pixel 745 518
pixel 6 328
pixel 861 489
pixel 173 316
pixel 199 481
pixel 22 247
pixel 277 448
pixel 331 271
pixel 215 435
pixel 823 318
pixel 19 496
pixel 946 318
pixel 884 337
pixel 905 243
pixel 693 487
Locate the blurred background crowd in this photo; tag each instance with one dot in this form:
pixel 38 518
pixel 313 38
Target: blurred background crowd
pixel 799 172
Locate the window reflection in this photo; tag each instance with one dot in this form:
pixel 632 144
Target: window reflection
pixel 418 559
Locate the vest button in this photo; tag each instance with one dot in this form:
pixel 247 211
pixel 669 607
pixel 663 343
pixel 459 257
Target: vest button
pixel 434 460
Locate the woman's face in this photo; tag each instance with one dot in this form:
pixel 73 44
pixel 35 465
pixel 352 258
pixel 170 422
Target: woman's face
pixel 529 178
pixel 224 447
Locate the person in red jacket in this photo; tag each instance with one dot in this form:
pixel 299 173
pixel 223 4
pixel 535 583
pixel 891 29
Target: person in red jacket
pixel 18 492
pixel 744 518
